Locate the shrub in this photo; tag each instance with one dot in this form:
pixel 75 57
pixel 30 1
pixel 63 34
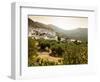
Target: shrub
pixel 75 54
pixel 44 44
pixel 57 50
pixel 32 51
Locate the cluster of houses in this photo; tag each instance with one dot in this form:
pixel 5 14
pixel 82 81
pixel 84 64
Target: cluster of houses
pixel 40 33
pixel 73 40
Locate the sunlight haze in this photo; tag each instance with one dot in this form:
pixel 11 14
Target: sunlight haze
pixel 66 23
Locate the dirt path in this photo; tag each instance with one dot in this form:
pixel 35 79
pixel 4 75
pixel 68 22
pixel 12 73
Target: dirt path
pixel 45 55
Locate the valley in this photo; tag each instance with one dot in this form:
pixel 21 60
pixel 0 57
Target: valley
pixel 51 45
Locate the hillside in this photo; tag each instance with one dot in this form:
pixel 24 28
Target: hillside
pixel 79 33
pixel 35 24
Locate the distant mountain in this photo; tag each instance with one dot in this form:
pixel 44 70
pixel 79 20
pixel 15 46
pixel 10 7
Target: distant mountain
pixel 56 29
pixel 79 33
pixel 34 24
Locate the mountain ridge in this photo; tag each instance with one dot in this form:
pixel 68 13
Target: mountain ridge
pixel 79 33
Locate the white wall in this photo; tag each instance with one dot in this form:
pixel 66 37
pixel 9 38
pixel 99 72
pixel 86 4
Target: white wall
pixel 5 36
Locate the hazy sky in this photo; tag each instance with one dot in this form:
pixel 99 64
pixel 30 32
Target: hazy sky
pixel 66 23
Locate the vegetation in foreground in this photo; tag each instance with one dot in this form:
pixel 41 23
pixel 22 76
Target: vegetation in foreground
pixel 43 52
